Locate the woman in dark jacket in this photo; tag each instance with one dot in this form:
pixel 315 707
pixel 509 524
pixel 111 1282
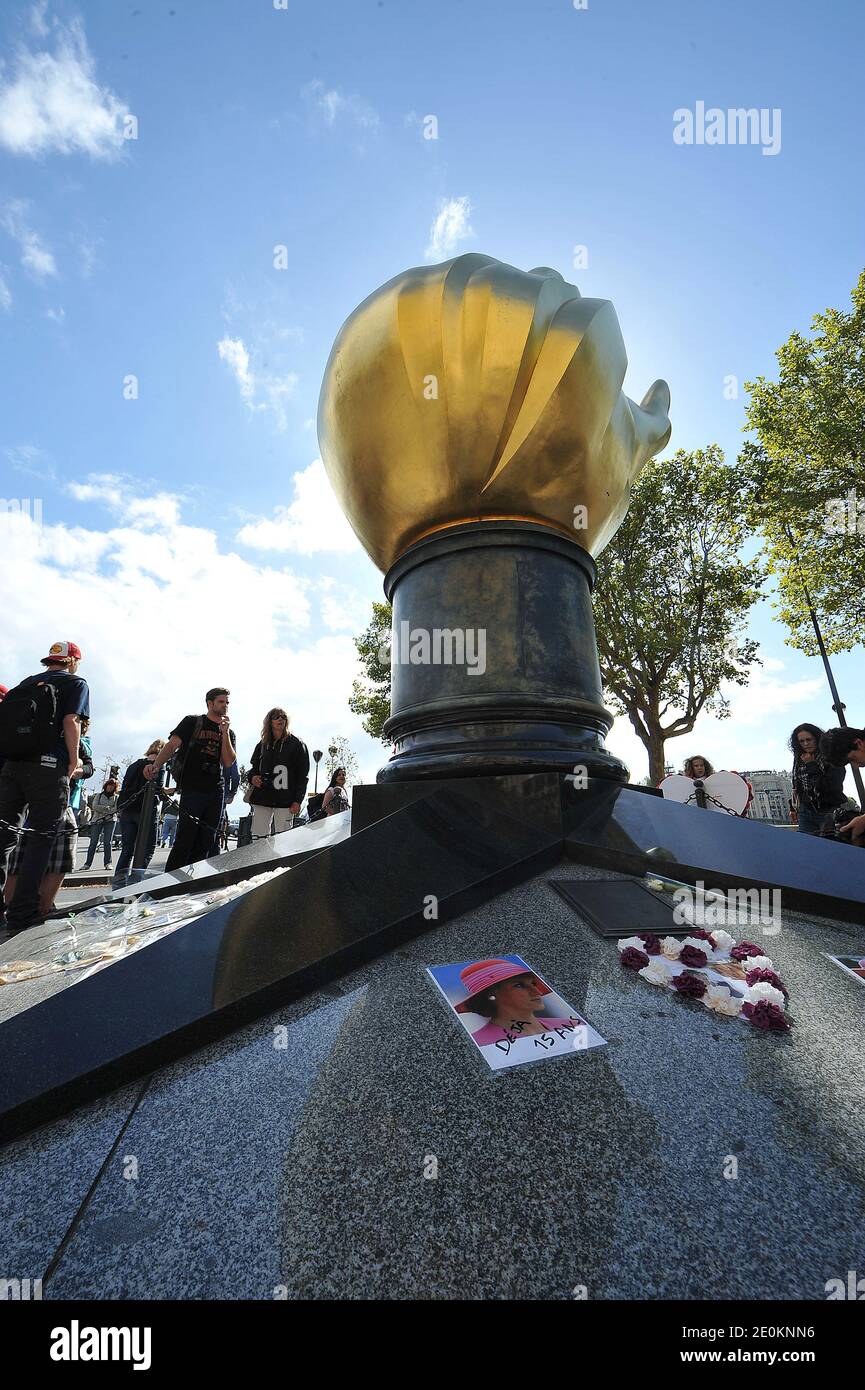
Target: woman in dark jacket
pixel 132 799
pixel 818 788
pixel 279 774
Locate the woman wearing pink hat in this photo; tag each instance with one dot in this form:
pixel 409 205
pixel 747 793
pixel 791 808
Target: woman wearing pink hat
pixel 509 997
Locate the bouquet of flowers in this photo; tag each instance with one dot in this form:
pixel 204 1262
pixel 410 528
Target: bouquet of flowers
pixel 699 968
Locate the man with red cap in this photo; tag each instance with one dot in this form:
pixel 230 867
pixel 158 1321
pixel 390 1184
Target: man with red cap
pixel 39 739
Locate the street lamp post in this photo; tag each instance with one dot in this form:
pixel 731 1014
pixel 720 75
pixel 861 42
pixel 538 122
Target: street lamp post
pixel 317 755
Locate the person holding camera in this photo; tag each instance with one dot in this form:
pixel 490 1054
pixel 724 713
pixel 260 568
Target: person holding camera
pixel 840 747
pixel 818 786
pixel 201 746
pixel 279 774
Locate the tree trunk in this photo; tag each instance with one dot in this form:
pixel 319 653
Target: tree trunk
pixel 655 748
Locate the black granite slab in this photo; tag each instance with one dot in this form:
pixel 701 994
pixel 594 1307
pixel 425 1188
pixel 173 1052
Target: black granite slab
pixel 246 861
pixel 454 849
pixel 617 828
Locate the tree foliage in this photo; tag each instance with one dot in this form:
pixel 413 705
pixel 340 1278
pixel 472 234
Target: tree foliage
pixel 339 754
pixel 671 600
pixel 370 696
pixel 805 476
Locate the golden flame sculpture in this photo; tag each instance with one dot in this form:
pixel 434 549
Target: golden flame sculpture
pixel 473 391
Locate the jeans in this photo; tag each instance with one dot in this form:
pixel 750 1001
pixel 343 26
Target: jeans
pixel 44 793
pixel 262 816
pixel 169 830
pixel 811 822
pixel 100 830
pixel 196 841
pixel 129 834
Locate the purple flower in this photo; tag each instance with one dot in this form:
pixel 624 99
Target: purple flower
pixel 632 959
pixel 689 985
pixel 690 955
pixel 746 949
pixel 767 1017
pixel 767 977
pixel 651 942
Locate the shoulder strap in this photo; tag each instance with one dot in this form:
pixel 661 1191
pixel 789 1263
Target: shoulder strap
pixel 196 730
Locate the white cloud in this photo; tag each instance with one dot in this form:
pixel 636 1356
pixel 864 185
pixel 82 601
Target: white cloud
pixel 262 390
pixel 161 615
pixel 232 351
pixel 87 248
pixel 37 19
pixel 343 609
pixel 51 102
pixel 5 293
pixel 451 226
pixel 26 458
pixel 332 105
pixel 312 522
pixel 36 258
pixel 56 315
pixel 101 487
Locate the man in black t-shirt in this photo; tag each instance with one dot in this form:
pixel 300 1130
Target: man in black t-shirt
pixel 208 745
pixel 39 782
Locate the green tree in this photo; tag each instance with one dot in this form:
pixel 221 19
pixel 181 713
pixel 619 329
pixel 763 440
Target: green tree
pixel 370 696
pixel 807 460
pixel 339 754
pixel 671 599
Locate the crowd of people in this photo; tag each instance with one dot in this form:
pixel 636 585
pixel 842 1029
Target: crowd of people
pixel 819 805
pixel 46 757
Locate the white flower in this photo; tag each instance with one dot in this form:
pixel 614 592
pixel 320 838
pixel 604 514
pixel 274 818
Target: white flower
pixel 671 947
pixel 724 942
pixel 655 973
pixel 719 998
pixel 634 941
pixel 764 991
pixel 758 963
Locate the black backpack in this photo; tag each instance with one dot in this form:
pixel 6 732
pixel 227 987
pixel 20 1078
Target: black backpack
pixel 28 719
pixel 177 762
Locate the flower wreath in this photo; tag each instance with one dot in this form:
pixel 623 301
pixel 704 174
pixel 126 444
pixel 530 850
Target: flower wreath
pixel 677 965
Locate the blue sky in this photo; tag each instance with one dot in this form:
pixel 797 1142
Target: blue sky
pixel 188 535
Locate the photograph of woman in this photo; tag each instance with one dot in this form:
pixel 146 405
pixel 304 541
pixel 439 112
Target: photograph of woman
pixel 509 1011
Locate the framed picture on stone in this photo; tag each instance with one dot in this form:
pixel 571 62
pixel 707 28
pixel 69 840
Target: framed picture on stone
pixel 510 1012
pixel 851 965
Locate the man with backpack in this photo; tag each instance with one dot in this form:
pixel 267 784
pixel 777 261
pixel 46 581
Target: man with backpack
pixel 39 741
pixel 199 749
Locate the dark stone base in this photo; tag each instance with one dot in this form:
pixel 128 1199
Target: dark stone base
pixel 421 855
pixel 509 681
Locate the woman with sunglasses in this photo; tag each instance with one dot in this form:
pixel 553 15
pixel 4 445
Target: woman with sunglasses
pixel 279 774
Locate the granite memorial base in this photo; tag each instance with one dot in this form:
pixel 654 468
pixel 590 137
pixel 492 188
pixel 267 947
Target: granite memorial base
pixel 283 1071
